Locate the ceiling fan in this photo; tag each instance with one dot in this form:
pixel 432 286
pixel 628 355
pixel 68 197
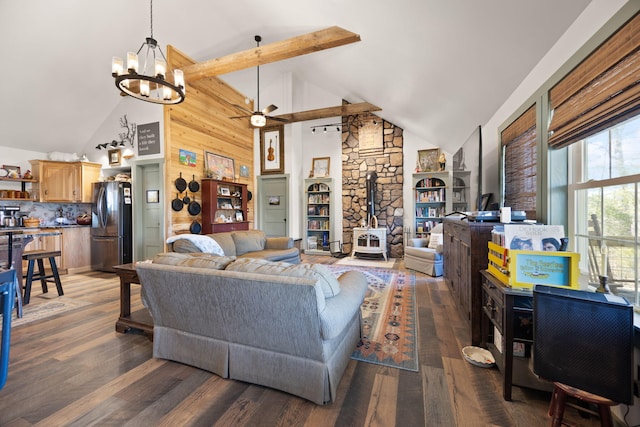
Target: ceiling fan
pixel 259 117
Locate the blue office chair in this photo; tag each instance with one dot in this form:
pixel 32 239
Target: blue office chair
pixel 8 282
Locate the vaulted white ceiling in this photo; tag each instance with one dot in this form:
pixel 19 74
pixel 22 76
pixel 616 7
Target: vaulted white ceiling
pixel 436 68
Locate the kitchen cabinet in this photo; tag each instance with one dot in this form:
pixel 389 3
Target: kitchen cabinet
pixel 76 249
pixel 224 206
pixel 465 252
pixel 64 181
pixel 73 244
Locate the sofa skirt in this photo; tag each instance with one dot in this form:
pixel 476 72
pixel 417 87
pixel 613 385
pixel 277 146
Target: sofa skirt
pixel 202 352
pixel 431 267
pixel 313 380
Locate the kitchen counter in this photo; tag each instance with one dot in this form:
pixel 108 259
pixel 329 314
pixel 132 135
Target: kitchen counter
pixel 5 230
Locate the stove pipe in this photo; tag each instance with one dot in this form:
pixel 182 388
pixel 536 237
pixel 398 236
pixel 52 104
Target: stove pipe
pixel 371 195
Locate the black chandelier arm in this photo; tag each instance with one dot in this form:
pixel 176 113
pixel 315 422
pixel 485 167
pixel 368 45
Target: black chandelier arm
pixel 179 90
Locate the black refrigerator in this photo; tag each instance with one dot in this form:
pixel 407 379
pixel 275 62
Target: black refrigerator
pixel 111 225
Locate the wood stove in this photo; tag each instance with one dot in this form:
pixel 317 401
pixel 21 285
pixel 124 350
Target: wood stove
pixel 369 241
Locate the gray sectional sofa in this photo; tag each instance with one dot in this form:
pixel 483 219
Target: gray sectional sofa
pixel 246 243
pixel 288 327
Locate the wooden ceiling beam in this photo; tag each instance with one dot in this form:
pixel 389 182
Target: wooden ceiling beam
pixel 324 113
pixel 272 52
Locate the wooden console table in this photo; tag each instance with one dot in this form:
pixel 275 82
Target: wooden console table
pixel 508 319
pixel 139 320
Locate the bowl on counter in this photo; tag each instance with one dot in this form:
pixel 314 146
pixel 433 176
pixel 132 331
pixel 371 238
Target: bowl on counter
pixel 83 220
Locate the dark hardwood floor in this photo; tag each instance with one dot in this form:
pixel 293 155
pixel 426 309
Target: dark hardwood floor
pixel 75 370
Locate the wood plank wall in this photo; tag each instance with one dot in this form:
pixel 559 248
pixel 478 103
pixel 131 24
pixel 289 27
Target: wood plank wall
pixel 201 123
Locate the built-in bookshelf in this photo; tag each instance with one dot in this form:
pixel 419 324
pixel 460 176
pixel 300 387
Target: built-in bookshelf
pixel 432 194
pixel 460 191
pixel 318 223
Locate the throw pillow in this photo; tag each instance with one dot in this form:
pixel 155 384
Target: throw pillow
pixel 435 240
pixel 199 260
pixel 328 282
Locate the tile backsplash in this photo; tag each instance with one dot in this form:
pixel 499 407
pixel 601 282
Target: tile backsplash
pixel 48 212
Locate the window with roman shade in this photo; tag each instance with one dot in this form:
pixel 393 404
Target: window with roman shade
pixel 520 163
pixel 601 91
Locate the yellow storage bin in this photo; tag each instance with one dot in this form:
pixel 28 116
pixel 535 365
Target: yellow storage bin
pixel 524 269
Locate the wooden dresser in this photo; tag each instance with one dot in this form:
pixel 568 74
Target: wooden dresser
pixel 465 256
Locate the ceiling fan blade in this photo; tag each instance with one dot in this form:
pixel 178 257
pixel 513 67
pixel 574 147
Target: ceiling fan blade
pixel 270 108
pixel 323 113
pixel 239 117
pixel 244 110
pixel 277 119
pixel 272 52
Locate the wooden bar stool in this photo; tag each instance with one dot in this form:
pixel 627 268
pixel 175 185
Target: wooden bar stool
pixel 559 400
pixel 39 256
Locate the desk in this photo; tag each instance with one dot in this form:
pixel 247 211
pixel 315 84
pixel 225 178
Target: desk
pixel 509 311
pixel 140 320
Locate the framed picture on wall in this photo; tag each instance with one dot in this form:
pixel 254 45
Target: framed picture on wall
pixel 320 167
pixel 272 150
pixel 114 157
pixel 219 167
pixel 428 160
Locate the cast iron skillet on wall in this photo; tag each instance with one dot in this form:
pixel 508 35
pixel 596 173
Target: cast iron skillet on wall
pixel 194 185
pixel 176 204
pixel 195 228
pixel 194 207
pixel 181 183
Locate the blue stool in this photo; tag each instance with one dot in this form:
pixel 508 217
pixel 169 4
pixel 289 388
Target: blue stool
pixel 8 283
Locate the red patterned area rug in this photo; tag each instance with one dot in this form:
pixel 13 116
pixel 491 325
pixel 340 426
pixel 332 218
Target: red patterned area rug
pixel 388 318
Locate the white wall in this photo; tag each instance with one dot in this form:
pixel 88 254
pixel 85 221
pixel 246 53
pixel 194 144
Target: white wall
pixel 593 18
pixel 137 112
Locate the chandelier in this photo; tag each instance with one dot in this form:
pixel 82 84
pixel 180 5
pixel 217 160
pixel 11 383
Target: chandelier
pixel 149 83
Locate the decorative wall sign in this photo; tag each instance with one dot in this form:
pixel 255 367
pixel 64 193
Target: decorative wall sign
pixel 370 137
pixel 187 158
pixel 272 150
pixel 219 167
pixel 149 139
pixel 244 171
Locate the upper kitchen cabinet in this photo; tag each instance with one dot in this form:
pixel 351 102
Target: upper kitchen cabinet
pixel 64 181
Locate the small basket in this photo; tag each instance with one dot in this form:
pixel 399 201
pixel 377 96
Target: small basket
pixel 31 222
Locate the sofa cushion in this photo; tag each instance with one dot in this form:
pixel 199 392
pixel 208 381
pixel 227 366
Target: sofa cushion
pixel 248 241
pixel 225 240
pixel 291 255
pixel 327 280
pixel 200 260
pixel 422 242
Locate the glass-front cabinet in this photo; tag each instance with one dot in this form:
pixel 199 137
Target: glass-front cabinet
pixel 224 206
